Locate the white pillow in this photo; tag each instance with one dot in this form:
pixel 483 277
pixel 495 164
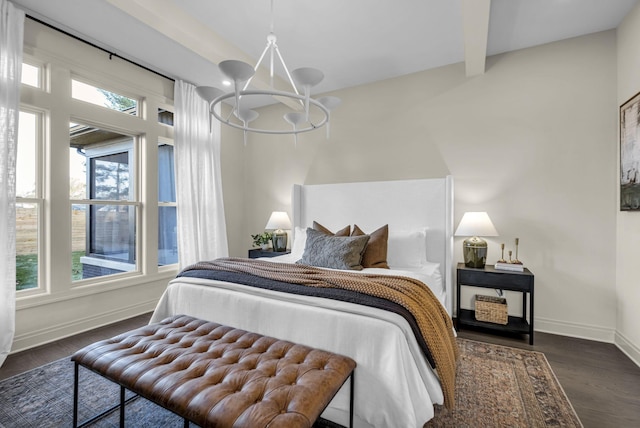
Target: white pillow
pixel 299 241
pixel 407 248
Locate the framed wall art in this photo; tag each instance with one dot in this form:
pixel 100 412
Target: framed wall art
pixel 630 154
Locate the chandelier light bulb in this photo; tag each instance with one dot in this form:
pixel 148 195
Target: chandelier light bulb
pixel 307 77
pixel 294 118
pixel 330 103
pixel 246 115
pixel 209 93
pixel 238 72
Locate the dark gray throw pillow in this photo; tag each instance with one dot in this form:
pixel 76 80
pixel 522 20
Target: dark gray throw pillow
pixel 335 252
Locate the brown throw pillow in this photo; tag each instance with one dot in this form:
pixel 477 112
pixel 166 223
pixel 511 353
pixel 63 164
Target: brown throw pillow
pixel 375 255
pixel 346 231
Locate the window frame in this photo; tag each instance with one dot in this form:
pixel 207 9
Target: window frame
pixel 162 141
pixel 131 144
pixel 60 60
pixel 38 199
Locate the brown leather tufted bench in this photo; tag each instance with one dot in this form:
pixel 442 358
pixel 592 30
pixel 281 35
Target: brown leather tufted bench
pixel 218 376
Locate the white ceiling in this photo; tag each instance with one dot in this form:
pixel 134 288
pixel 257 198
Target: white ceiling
pixel 352 41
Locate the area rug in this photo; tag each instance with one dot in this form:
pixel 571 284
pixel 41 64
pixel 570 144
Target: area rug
pixel 497 386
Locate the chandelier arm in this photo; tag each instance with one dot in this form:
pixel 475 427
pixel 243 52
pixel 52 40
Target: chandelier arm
pixel 264 52
pixel 286 70
pixel 316 103
pixel 228 116
pixel 271 68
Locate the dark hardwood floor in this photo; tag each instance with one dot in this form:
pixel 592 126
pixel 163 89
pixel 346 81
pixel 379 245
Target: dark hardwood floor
pixel 601 382
pixel 32 358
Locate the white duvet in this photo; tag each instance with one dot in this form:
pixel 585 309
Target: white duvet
pixel 394 384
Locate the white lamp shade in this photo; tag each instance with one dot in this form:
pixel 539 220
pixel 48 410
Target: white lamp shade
pixel 307 76
pixel 246 115
pixel 476 224
pixel 238 71
pixel 294 118
pixel 278 220
pixel 208 93
pixel 330 102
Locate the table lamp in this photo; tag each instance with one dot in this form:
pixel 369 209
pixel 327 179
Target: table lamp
pixel 278 221
pixel 474 249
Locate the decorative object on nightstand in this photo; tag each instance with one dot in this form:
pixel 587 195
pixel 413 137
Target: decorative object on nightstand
pixel 262 240
pixel 514 265
pixel 278 222
pixel 491 309
pixel 474 249
pixel 502 260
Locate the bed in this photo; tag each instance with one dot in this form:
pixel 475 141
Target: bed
pixel 395 384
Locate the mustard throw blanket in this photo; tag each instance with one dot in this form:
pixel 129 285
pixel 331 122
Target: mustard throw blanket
pixel 433 321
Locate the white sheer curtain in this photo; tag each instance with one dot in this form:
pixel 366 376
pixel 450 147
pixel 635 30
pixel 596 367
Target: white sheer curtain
pixel 202 231
pixel 11 34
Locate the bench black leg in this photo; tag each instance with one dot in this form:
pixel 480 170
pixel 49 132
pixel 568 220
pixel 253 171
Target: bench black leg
pixel 122 403
pixel 75 394
pixel 351 398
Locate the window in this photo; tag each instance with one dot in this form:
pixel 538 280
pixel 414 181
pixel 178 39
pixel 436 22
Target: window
pixel 102 97
pixel 165 117
pixel 28 201
pixel 31 75
pixel 88 211
pixel 167 211
pixel 103 203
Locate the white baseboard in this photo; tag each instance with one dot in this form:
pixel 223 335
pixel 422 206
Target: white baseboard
pixel 60 331
pixel 580 331
pixel 631 350
pixel 590 332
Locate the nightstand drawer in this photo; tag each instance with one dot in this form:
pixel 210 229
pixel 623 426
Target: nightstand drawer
pixel 256 252
pixel 506 280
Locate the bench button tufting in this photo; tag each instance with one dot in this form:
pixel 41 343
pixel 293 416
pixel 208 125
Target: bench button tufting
pixel 218 367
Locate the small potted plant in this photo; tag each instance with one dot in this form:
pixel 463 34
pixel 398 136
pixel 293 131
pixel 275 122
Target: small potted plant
pixel 262 240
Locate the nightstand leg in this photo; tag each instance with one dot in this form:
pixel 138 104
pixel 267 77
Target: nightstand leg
pixel 530 320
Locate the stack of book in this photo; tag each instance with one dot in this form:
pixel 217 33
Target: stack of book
pixel 514 267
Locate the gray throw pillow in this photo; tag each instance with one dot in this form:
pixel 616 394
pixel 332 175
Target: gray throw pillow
pixel 335 252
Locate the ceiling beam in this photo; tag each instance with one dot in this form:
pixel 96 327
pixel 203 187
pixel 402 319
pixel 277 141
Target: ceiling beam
pixel 167 18
pixel 475 21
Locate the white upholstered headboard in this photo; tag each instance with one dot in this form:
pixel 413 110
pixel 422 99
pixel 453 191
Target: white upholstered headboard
pixel 403 205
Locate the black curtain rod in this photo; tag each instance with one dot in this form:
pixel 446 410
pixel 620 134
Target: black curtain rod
pixel 111 54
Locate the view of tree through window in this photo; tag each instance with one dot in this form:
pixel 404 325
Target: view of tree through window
pixel 110 177
pixel 102 97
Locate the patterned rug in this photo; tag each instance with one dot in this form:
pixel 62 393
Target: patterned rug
pixel 496 386
pixel 499 386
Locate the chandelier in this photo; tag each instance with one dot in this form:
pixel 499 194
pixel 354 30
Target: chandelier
pixel 301 81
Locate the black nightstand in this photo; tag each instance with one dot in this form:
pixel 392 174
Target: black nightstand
pixel 254 253
pixel 489 277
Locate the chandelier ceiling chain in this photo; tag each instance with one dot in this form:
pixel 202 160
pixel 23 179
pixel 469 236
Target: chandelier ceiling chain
pixel 241 74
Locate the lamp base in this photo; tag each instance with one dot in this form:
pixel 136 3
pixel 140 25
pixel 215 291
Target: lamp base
pixel 279 241
pixel 475 252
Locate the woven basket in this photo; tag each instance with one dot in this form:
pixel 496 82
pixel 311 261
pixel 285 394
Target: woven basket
pixel 491 309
